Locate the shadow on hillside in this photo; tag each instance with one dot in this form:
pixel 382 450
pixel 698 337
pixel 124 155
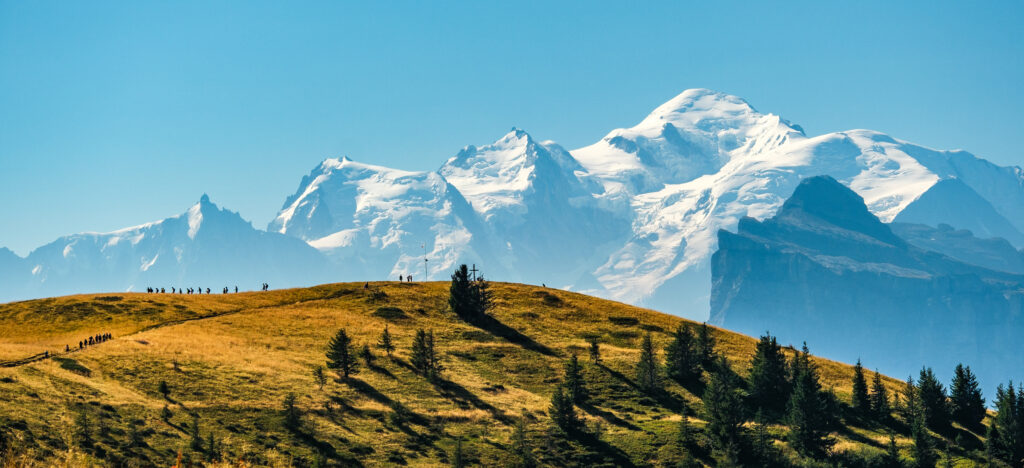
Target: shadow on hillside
pixel 495 327
pixel 382 371
pixel 607 416
pixel 617 456
pixel 368 391
pixel 664 398
pixel 463 397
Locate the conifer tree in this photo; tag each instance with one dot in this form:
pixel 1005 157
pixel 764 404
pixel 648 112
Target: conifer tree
pixel 861 400
pixel 647 367
pixel 385 341
pixel 367 355
pixel 291 415
pixel 1008 427
pixel 705 346
pixel 470 299
pixel 83 430
pixel 891 458
pixel 520 445
pixel 769 378
pixel 319 377
pixel 879 398
pixel 723 405
pixel 164 389
pixel 575 386
pixel 340 355
pixel 195 439
pixel 966 402
pixel 909 404
pixel 562 411
pixel 807 419
pixel 932 395
pixel 420 358
pixel 595 350
pixel 682 363
pixel 924 446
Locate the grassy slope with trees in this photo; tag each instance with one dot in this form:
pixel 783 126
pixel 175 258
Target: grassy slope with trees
pixel 220 379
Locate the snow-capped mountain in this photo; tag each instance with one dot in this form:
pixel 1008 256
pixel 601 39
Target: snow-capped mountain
pixel 204 247
pixel 376 222
pixel 632 217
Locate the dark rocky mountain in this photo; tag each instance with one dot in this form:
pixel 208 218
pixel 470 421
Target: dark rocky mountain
pixel 825 270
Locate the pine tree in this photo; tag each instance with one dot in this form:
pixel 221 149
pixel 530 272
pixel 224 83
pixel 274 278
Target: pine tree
pixel 861 400
pixel 575 386
pixel 165 414
pixel 562 411
pixel 1008 425
pixel 924 446
pixel 909 405
pixel 319 377
pixel 966 402
pixel 470 299
pixel 195 438
pixel 769 378
pixel 932 395
pixel 879 398
pixel 83 430
pixel 291 416
pixel 723 405
pixel 705 346
pixel 340 356
pixel 385 341
pixel 164 389
pixel 647 367
pixel 891 458
pixel 595 350
pixel 682 363
pixel 520 445
pixel 807 417
pixel 367 355
pixel 420 358
pixel 762 443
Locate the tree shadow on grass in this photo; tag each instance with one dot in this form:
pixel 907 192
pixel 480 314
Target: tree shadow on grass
pixel 615 454
pixel 495 327
pixel 607 416
pixel 324 448
pixel 463 397
pixel 663 397
pixel 381 370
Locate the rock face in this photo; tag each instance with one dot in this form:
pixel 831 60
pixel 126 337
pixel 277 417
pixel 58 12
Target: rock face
pixel 826 271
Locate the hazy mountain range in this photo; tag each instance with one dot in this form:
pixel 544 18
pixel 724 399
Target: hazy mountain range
pixel 632 217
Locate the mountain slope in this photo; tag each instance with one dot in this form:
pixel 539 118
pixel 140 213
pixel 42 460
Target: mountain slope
pixel 833 274
pixel 376 222
pixel 205 247
pixel 230 360
pixel 952 202
pixel 961 244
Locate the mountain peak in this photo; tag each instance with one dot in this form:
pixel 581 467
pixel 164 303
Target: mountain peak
pixel 825 198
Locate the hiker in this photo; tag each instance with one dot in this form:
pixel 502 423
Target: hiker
pixel 67 348
pixel 366 285
pixel 409 278
pixel 236 289
pixel 207 290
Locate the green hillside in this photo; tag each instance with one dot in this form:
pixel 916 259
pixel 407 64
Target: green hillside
pixel 230 361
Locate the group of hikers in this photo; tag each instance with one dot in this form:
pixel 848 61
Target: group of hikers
pixel 92 340
pixel 406 278
pixel 193 290
pixel 265 287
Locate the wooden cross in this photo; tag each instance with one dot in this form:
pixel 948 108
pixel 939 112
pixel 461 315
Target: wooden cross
pixel 474 270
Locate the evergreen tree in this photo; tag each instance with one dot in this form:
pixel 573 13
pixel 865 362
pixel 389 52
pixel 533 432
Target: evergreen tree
pixel 521 446
pixel 83 430
pixel 292 417
pixel 340 356
pixel 562 411
pixel 723 405
pixel 575 386
pixel 705 346
pixel 879 398
pixel 319 377
pixel 385 341
pixel 424 357
pixel 932 395
pixel 685 431
pixel 134 438
pixel 861 400
pixel 769 378
pixel 647 367
pixel 909 405
pixel 195 438
pixel 966 402
pixel 891 458
pixel 1008 440
pixel 682 363
pixel 762 442
pixel 595 350
pixel 470 299
pixel 165 414
pixel 807 417
pixel 164 389
pixel 367 355
pixel 924 446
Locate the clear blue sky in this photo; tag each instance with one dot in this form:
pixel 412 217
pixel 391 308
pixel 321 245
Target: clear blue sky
pixel 115 114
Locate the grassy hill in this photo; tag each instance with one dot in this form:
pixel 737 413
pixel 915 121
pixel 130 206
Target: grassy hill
pixel 230 361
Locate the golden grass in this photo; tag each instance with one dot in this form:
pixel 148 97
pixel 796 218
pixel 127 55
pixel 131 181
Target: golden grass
pixel 231 360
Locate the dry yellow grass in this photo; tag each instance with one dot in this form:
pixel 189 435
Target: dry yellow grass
pixel 232 359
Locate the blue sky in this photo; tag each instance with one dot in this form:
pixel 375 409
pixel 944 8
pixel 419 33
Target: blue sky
pixel 115 114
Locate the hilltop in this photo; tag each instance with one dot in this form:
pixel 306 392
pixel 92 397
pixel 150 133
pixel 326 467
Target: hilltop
pixel 229 362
